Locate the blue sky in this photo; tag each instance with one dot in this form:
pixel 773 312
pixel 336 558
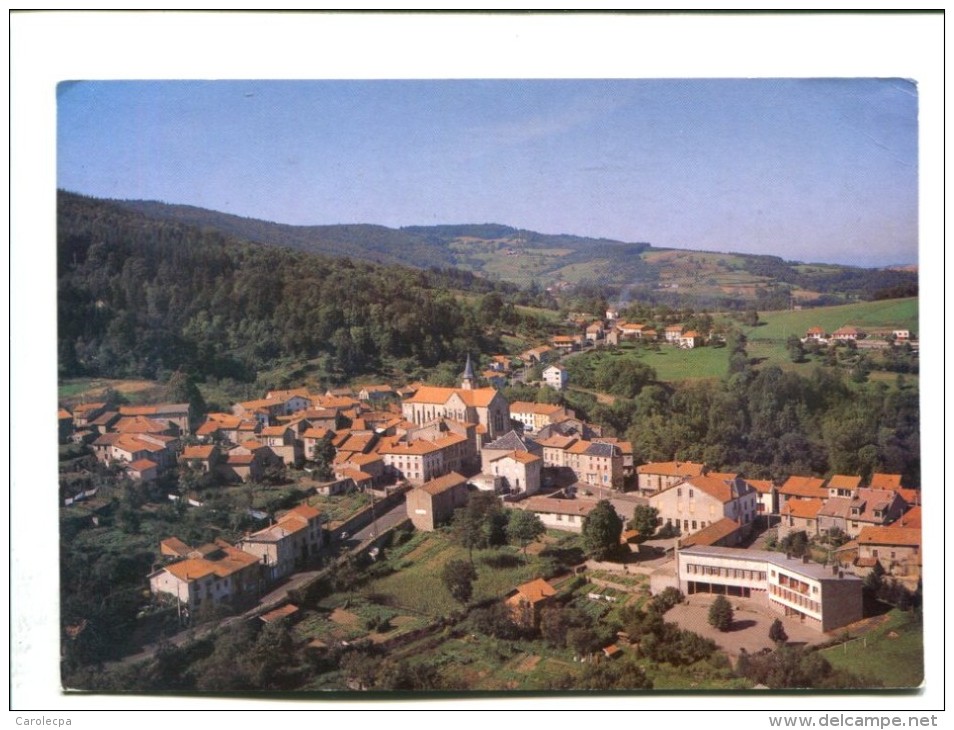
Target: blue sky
pixel 812 170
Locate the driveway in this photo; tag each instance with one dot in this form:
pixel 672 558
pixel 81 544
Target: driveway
pixel 750 628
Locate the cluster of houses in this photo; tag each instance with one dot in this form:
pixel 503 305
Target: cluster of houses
pixel 144 439
pixel 878 338
pixel 220 572
pixel 444 442
pixel 612 331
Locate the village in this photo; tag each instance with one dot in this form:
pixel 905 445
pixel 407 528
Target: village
pixel 799 551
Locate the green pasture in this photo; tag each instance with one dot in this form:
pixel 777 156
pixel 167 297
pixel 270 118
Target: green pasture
pixel 675 364
pixel 892 653
pixel 889 313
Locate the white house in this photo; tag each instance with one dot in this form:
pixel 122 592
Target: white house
pixel 556 377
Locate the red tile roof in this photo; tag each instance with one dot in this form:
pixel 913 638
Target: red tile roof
pixel 902 536
pixel 804 487
pixel 842 481
pixel 711 534
pixel 911 518
pixel 885 481
pixel 552 505
pixel 197 452
pixel 536 590
pixel 143 464
pixel 672 468
pixel 442 484
pixel 803 508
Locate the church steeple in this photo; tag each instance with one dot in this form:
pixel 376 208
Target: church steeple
pixel 468 381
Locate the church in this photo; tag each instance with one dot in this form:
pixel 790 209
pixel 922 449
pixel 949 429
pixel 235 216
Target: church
pixel 485 407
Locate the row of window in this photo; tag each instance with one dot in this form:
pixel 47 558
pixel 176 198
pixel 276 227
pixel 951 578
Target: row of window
pixel 724 572
pixel 797 598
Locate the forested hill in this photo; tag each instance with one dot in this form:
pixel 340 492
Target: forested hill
pixel 139 297
pixel 520 256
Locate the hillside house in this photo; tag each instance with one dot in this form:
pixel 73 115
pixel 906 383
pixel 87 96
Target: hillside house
pixel 518 473
pixel 842 485
pixel 847 334
pixel 433 502
pixel 864 508
pixel 535 416
pixel 656 476
pixel 290 544
pixel 539 355
pixel 175 415
pixel 526 601
pixel 495 378
pixel 558 514
pixel 689 340
pixel 203 458
pixel 802 487
pixel 701 501
pixel 800 515
pixel 898 549
pixel 767 496
pixel 556 376
pixel 213 573
pixel 566 343
pixel 375 393
pixel 672 333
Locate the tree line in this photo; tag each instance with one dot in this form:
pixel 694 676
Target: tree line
pixel 143 298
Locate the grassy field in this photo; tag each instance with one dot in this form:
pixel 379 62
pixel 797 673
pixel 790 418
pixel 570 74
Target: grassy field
pixel 674 364
pixel 890 313
pixel 78 389
pixel 417 585
pixel 893 653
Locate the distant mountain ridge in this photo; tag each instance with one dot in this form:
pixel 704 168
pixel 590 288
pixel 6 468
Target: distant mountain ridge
pixel 521 256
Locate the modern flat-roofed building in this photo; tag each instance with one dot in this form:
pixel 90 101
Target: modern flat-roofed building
pixel 824 598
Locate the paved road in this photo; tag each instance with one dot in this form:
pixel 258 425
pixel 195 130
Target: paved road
pixel 380 523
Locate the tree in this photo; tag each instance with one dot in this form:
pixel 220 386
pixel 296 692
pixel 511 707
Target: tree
pixel 181 388
pixel 796 350
pixel 554 623
pixel 345 576
pixel 720 613
pixel 323 454
pixel 601 530
pixel 523 528
pixel 458 576
pixel 644 521
pixel 480 523
pixel 777 632
pixel 583 640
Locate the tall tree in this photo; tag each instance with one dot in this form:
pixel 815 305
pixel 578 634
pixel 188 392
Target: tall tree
pixel 458 577
pixel 602 528
pixel 523 528
pixel 644 521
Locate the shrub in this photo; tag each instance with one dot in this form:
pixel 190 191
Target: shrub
pixel 721 614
